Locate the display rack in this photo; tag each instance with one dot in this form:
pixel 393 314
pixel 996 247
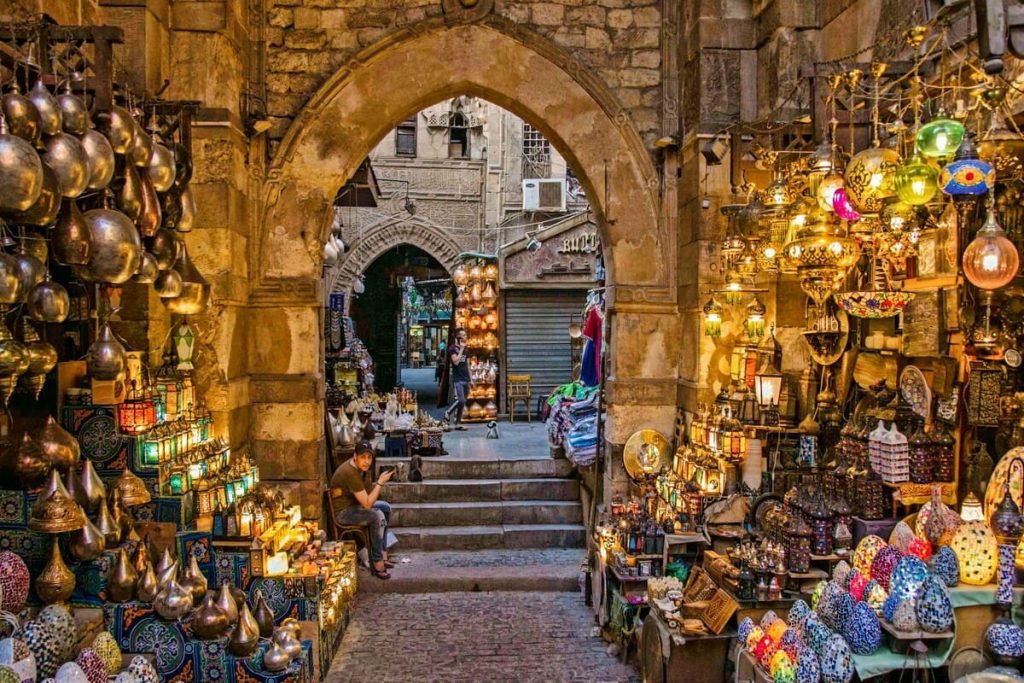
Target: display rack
pixel 476 311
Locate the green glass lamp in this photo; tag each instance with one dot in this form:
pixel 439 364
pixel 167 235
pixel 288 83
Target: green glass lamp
pixel 940 137
pixel 917 181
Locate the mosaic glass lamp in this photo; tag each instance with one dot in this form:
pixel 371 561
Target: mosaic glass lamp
pixel 967 175
pixel 871 178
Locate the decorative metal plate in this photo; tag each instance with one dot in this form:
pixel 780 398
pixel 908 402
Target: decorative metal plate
pixel 915 391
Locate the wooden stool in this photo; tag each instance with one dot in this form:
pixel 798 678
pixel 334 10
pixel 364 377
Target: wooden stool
pixel 517 389
pixel 360 531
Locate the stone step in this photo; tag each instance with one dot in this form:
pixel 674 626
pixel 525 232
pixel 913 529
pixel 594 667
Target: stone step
pixel 494 536
pixel 446 468
pixel 487 512
pixel 476 490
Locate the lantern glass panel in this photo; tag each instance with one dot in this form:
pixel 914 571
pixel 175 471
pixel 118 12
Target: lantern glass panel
pixel 768 387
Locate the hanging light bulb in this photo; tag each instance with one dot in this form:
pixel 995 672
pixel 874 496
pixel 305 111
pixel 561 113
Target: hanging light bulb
pixel 990 260
pixel 755 318
pixel 917 181
pixel 733 289
pixel 940 137
pixel 712 318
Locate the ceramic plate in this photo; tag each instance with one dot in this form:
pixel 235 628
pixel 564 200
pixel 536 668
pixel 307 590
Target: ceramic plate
pixel 914 390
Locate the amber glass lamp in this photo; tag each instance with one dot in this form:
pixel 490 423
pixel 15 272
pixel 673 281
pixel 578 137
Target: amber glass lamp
pixel 990 260
pixel 755 318
pixel 826 191
pixel 871 177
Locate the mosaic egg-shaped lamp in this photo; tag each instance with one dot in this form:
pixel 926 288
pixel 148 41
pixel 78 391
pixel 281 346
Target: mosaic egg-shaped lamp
pixel 934 608
pixel 864 555
pixel 15 581
pixel 836 661
pixel 1005 640
pixel 807 667
pixel 884 565
pixel 902 536
pixel 905 616
pixel 841 572
pixel 946 566
pixel 975 546
pixel 753 638
pixel 907 579
pixel 791 643
pixel 816 634
pixel 864 633
pixel 858 584
pixel 783 669
pixel 744 629
pixel 875 596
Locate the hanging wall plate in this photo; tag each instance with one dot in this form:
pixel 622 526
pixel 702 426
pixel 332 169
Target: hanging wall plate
pixel 645 447
pixel 827 346
pixel 915 391
pixel 1012 358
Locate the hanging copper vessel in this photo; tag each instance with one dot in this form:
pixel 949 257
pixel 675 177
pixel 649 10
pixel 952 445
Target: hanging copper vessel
pixel 73 112
pixel 105 360
pixel 132 490
pixel 264 616
pixel 173 601
pixel 42 357
pixel 170 207
pixel 245 638
pixel 121 578
pixel 209 621
pixel 71 239
pixel 161 169
pixel 100 159
pixel 119 127
pixel 130 194
pixel 24 464
pixel 48 302
pixel 55 583
pixel 188 210
pixel 148 270
pixel 22 117
pixel 165 576
pixel 195 290
pixel 67 157
pixel 47 107
pixel 194 580
pixel 168 284
pixel 141 149
pixel 45 210
pixel 115 249
pixel 183 166
pixel 148 586
pixel 149 219
pixel 10 283
pixel 87 543
pixel 164 247
pixel 275 659
pixel 30 272
pixel 55 512
pixel 92 486
pixel 107 525
pixel 227 602
pixel 60 448
pixel 21 172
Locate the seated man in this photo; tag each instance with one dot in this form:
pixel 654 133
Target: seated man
pixel 356 503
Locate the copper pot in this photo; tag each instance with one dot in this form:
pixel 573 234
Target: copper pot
pixel 48 108
pixel 187 218
pixel 67 157
pixel 21 172
pixel 105 360
pixel 173 601
pixel 48 302
pixel 55 583
pixel 209 621
pixel 71 238
pixel 74 114
pixel 148 270
pixel 227 603
pixel 60 448
pixel 141 150
pixel 30 272
pixel 119 127
pixel 168 284
pixel 264 616
pixel 100 159
pixel 164 246
pixel 195 290
pixel 245 638
pixel 161 168
pixel 194 580
pixel 149 218
pixel 87 543
pixel 22 117
pixel 121 578
pixel 46 208
pixel 115 248
pixel 130 195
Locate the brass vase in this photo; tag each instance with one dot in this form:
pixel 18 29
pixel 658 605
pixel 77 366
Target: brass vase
pixel 48 302
pixel 108 526
pixel 45 209
pixel 71 239
pixel 194 580
pixel 121 578
pixel 92 486
pixel 60 448
pixel 56 582
pixel 227 602
pixel 173 601
pixel 275 659
pixel 166 576
pixel 21 172
pixel 87 543
pixel 245 638
pixel 148 586
pixel 209 621
pixel 264 616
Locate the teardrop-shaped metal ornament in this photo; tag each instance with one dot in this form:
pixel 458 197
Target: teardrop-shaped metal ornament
pixel 194 579
pixel 100 157
pixel 46 209
pixel 149 218
pixel 87 543
pixel 48 108
pixel 74 114
pixel 55 583
pixel 107 525
pixel 121 578
pixel 141 150
pixel 21 172
pixel 245 637
pixel 60 448
pixel 264 616
pixel 130 194
pixel 70 238
pixel 48 302
pixel 106 359
pixel 148 586
pixel 188 210
pixel 164 247
pixel 209 621
pixel 227 603
pixel 92 486
pixel 148 270
pixel 22 117
pixel 161 168
pixel 66 156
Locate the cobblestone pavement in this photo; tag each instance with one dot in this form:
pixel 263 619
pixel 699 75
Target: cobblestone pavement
pixel 475 637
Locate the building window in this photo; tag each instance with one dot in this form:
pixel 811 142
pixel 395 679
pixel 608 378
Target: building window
pixel 458 136
pixel 405 137
pixel 536 153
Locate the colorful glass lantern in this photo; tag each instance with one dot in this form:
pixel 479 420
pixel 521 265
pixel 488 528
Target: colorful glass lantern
pixel 990 260
pixel 150 449
pixel 712 318
pixel 940 138
pixel 755 318
pixel 1007 525
pixel 768 386
pixel 916 181
pixel 184 343
pixel 843 207
pixel 137 413
pixel 826 192
pixel 871 178
pixel 733 289
pixel 970 509
pixel 169 387
pixel 967 175
pixel 975 546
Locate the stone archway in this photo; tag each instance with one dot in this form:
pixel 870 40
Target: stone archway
pixel 405 72
pixel 409 231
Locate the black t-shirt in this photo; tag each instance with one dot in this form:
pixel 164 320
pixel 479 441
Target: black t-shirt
pixel 460 371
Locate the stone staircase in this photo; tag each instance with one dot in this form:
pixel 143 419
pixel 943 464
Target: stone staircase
pixel 487 504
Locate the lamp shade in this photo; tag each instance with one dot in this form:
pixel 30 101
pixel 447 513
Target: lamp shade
pixel 843 207
pixel 990 260
pixel 967 175
pixel 871 178
pixel 755 319
pixel 827 190
pixel 768 386
pixel 940 138
pixel 712 318
pixel 917 181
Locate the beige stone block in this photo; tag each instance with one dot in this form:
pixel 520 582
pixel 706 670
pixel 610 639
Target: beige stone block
pixel 303 39
pixel 588 15
pixel 281 17
pixel 646 59
pixel 620 18
pixel 287 421
pixel 285 340
pixel 286 388
pixel 547 14
pixel 333 18
pixel 306 19
pixel 647 17
pixel 597 39
pixel 344 41
pixel 637 38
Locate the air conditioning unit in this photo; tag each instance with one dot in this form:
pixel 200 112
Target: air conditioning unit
pixel 543 194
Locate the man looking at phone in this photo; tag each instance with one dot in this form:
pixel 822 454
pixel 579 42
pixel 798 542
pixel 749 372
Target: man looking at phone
pixel 460 380
pixel 355 502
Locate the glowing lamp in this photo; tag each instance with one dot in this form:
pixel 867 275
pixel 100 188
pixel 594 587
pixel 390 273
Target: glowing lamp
pixel 460 276
pixel 871 178
pixel 975 546
pixel 940 138
pixel 489 295
pixel 755 319
pixel 177 482
pixel 971 509
pixel 768 386
pixel 990 260
pixel 777 196
pixel 712 318
pixel 137 413
pixel 916 181
pixel 733 289
pixel 827 190
pixel 967 175
pixel 842 206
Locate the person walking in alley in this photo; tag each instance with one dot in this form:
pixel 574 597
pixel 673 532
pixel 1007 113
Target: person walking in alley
pixel 460 381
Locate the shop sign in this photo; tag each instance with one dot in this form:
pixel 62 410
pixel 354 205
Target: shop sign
pixel 581 243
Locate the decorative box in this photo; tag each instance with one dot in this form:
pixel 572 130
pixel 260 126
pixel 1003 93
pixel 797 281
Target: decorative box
pixel 95 427
pixel 177 510
pixel 34 548
pixel 232 567
pixel 15 507
pixel 198 544
pixel 91 580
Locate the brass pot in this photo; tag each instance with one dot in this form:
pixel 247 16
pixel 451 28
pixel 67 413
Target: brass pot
pixel 165 562
pixel 187 218
pixel 42 357
pixel 195 290
pixel 131 489
pixel 129 195
pixel 141 150
pixel 67 157
pixel 55 512
pixel 45 210
pixel 149 219
pixel 73 113
pixel 209 621
pixel 227 602
pixel 48 302
pixel 92 486
pixel 166 576
pixel 264 616
pixel 105 360
pixel 161 167
pixel 119 127
pixel 30 464
pixel 30 272
pixel 141 559
pixel 100 159
pixel 275 659
pixel 13 357
pixel 288 642
pixel 148 587
pixel 148 270
pixel 121 578
pixel 167 284
pixel 170 207
pixel 71 237
pixel 245 638
pixel 55 583
pixel 115 248
pixel 194 580
pixel 173 601
pixel 87 543
pixel 21 172
pixel 22 117
pixel 48 108
pixel 164 246
pixel 60 448
pixel 108 526
pixel 292 625
pixel 183 166
pixel 10 286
